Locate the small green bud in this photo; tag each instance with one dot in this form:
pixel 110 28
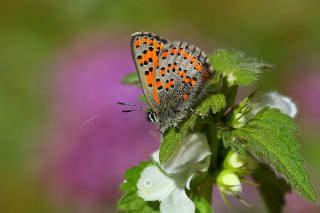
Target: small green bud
pixel 229 183
pixel 233 161
pixel 241 114
pixel 242 166
pixel 231 79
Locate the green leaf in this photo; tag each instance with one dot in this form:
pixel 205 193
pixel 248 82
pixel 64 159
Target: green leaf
pixel 270 137
pixel 131 79
pixel 130 201
pixel 272 188
pixel 132 176
pixel 174 137
pixel 215 103
pixel 169 144
pixel 202 205
pixel 143 99
pixel 238 67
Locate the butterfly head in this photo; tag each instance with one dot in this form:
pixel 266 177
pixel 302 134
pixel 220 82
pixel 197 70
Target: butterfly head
pixel 152 116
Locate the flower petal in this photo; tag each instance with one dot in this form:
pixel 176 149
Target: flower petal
pixel 177 202
pixel 154 185
pixel 275 100
pixel 201 166
pixel 189 178
pixel 192 150
pixel 155 156
pixel 192 156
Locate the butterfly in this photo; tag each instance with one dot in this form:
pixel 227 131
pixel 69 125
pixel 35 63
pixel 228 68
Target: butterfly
pixel 173 76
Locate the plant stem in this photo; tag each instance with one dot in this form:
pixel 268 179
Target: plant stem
pixel 205 188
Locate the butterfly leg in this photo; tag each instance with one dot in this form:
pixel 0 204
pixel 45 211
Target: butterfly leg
pixel 175 125
pixel 158 129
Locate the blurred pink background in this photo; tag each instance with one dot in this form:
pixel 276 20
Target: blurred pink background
pixel 62 65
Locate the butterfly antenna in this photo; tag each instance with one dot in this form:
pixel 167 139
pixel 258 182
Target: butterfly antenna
pixel 127 104
pixel 89 120
pixel 131 110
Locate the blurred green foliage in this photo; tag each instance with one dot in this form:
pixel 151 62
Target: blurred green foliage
pixel 281 32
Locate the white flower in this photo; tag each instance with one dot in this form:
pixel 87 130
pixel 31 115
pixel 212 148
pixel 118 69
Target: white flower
pixel 248 109
pixel 275 100
pixel 191 157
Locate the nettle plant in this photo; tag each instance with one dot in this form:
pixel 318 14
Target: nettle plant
pixel 221 144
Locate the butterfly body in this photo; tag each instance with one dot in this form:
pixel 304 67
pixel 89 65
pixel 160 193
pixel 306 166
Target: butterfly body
pixel 173 76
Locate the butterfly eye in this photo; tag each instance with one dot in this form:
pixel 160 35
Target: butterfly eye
pixel 152 117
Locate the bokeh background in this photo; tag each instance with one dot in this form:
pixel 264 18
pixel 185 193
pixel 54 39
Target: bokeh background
pixel 64 144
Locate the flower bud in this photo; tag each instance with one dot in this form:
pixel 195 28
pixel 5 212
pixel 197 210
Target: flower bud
pixel 233 161
pixel 242 166
pixel 229 183
pixel 231 79
pixel 238 117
